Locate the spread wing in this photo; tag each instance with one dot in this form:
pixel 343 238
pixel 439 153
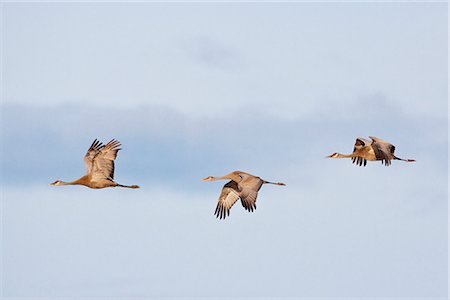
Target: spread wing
pixel 103 161
pixel 248 199
pixel 250 185
pixel 228 196
pixel 360 143
pixel 383 150
pixel 93 150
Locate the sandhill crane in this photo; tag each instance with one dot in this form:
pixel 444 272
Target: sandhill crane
pixel 99 161
pixel 365 150
pixel 242 185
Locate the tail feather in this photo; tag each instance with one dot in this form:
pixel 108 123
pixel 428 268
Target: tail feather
pixel 276 183
pixel 129 186
pixel 407 160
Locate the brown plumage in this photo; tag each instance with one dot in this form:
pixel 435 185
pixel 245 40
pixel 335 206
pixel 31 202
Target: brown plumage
pixel 99 161
pixel 242 186
pixel 365 150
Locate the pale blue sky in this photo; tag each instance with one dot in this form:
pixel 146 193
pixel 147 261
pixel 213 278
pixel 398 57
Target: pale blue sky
pixel 200 89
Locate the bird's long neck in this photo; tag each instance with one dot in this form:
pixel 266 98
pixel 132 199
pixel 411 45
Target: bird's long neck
pixel 339 155
pixel 75 182
pixel 214 178
pixel 80 181
pixel 227 177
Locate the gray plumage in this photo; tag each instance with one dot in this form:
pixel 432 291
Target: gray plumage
pixel 99 161
pixel 243 186
pixel 376 149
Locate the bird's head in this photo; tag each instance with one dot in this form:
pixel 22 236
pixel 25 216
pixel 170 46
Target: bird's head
pixel 57 182
pixel 334 155
pixel 209 178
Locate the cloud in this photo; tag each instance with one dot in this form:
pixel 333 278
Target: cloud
pixel 270 93
pixel 161 144
pixel 351 225
pixel 212 53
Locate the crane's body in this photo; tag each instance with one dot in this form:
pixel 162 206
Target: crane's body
pixel 99 161
pixel 376 149
pixel 242 186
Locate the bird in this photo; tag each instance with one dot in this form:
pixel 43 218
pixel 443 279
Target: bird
pixel 373 150
pixel 242 186
pixel 99 161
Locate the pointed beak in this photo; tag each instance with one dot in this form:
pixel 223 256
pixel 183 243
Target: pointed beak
pixel 332 155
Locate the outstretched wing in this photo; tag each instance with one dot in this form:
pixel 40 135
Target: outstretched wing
pixel 360 143
pixel 383 150
pixel 248 199
pixel 249 186
pixel 103 161
pixel 228 196
pixel 93 150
